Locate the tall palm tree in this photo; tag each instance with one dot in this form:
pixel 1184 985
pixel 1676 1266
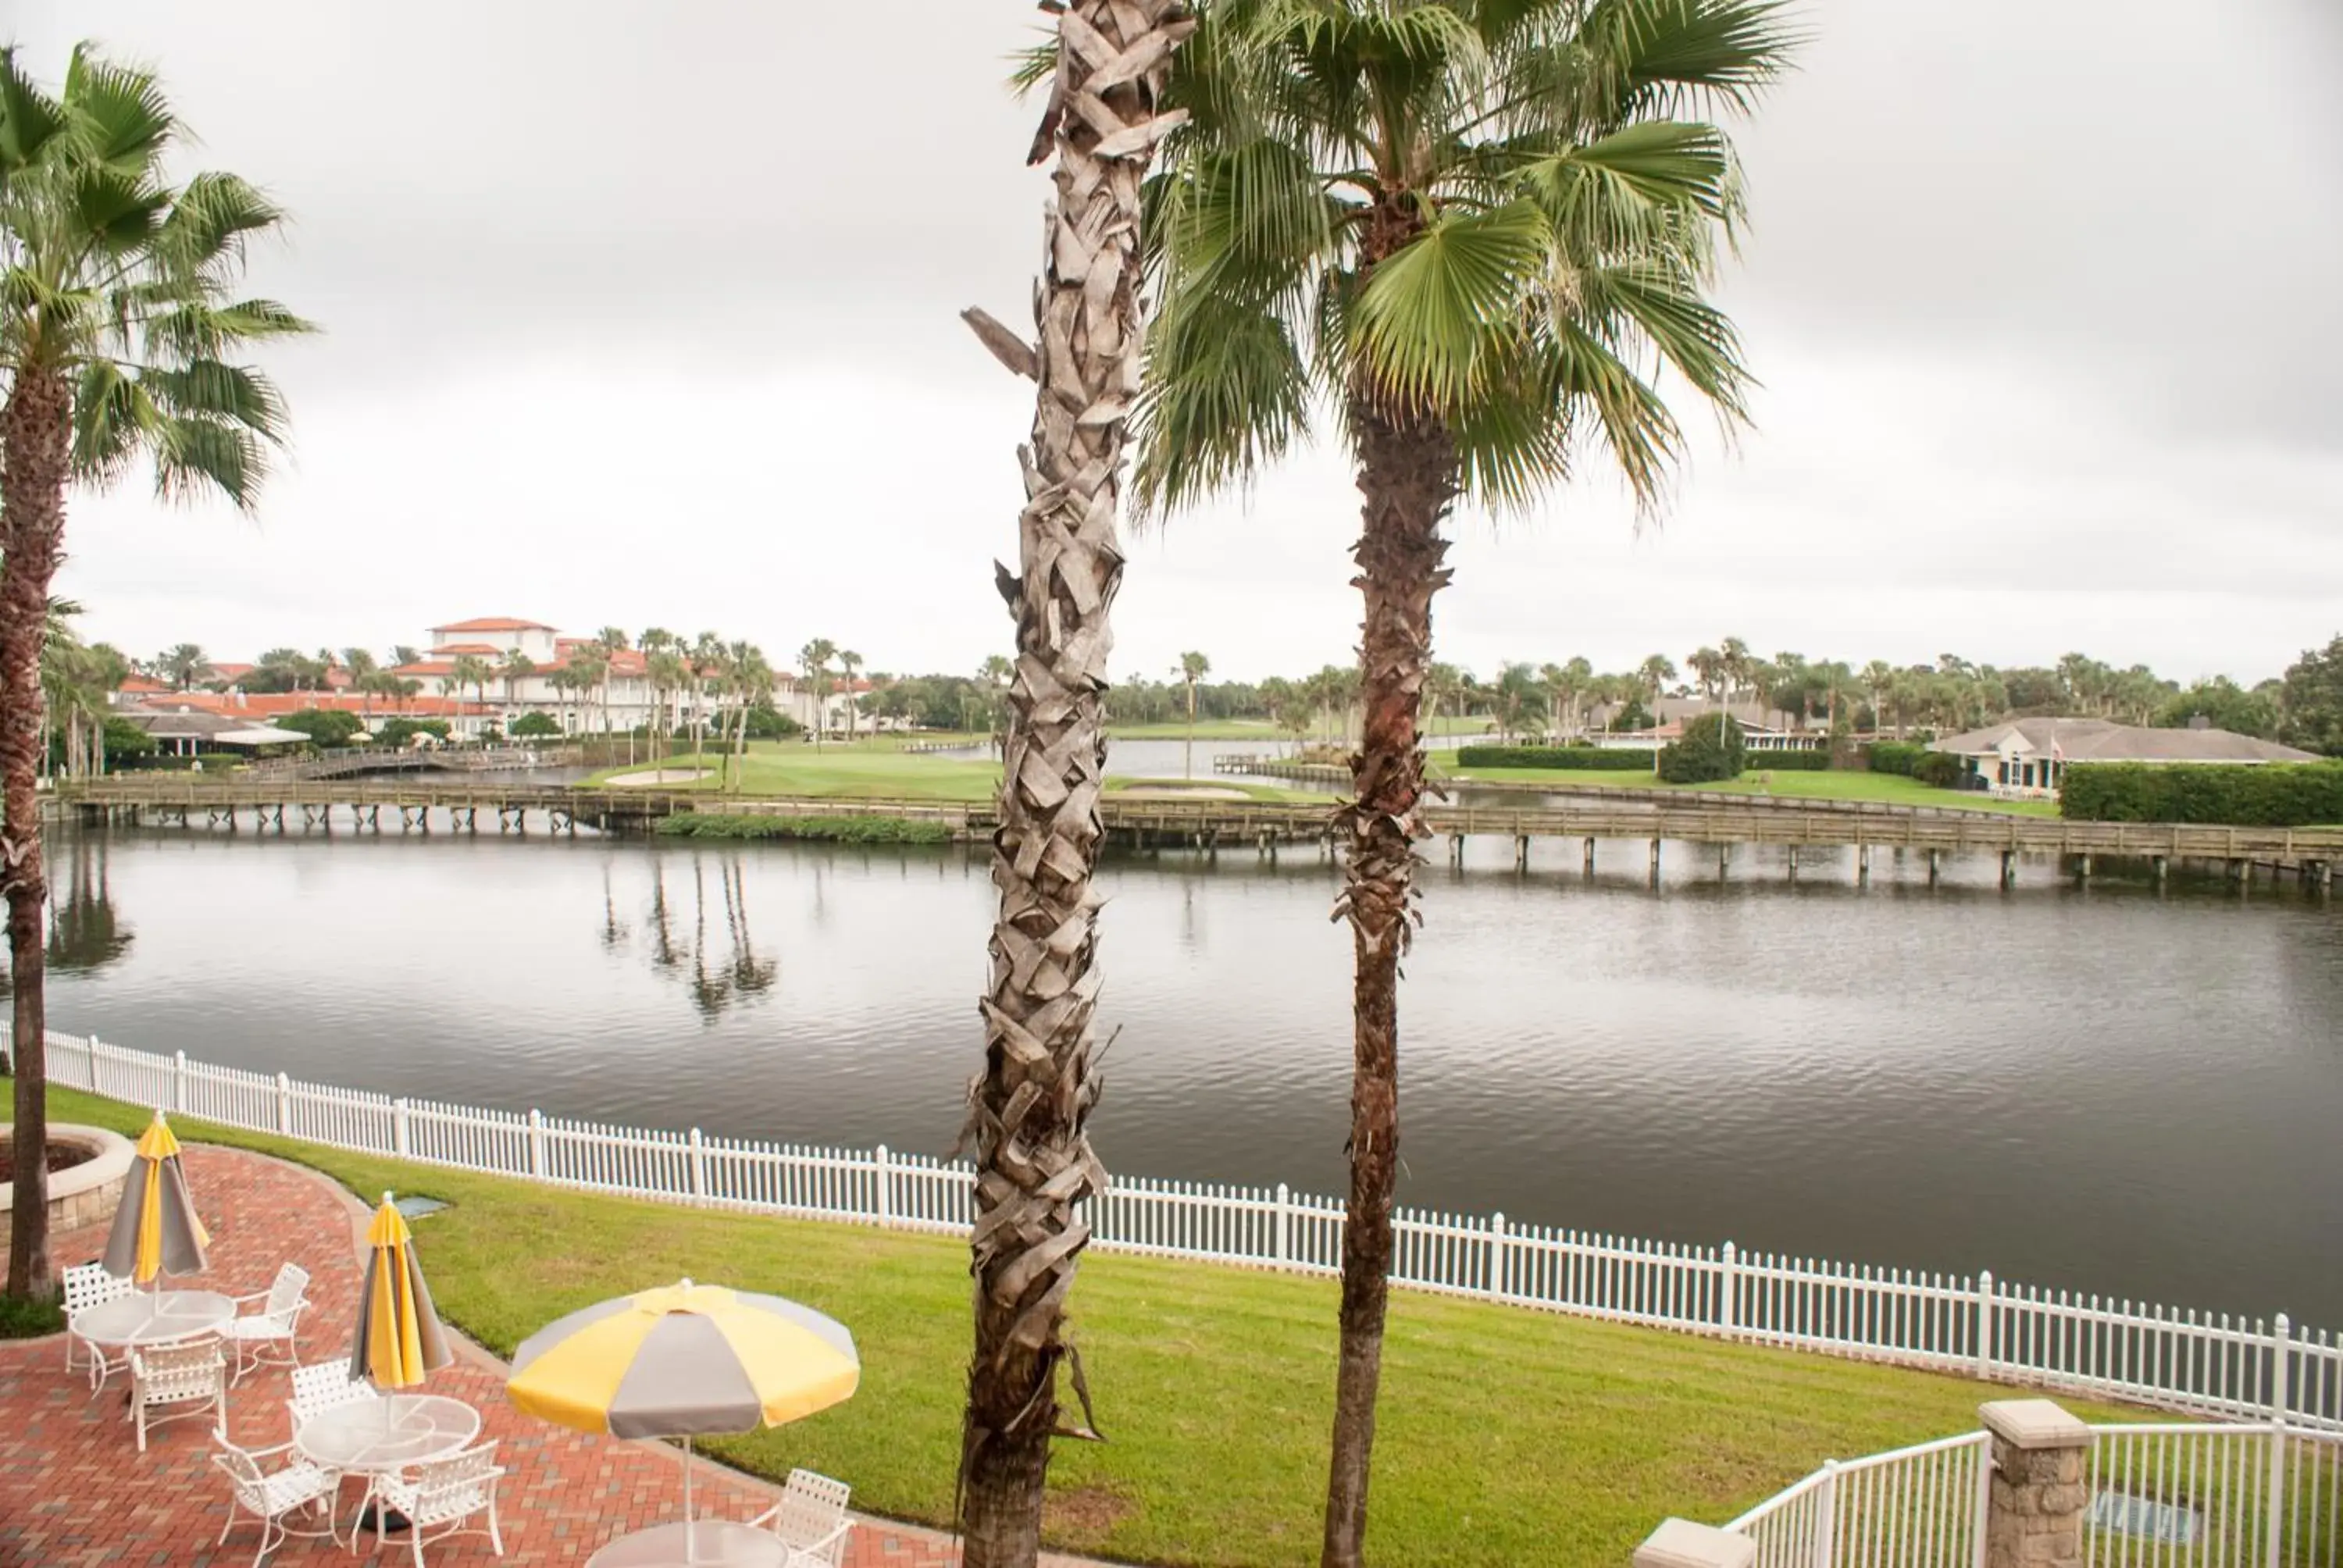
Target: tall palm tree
pixel 1655 673
pixel 1708 668
pixel 1027 1107
pixel 1191 668
pixel 848 663
pixel 184 665
pixel 1474 229
pixel 814 660
pixel 470 672
pixel 118 328
pixel 512 670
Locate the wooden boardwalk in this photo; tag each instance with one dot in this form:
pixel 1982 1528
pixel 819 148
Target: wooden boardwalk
pixel 419 803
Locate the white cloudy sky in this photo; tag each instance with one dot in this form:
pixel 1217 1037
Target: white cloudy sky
pixel 645 314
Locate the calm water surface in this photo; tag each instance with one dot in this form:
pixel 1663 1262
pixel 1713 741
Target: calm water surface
pixel 2127 1093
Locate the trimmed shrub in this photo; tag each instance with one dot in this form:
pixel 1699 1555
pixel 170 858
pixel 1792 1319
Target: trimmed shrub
pixel 1590 759
pixel 1940 769
pixel 1899 756
pixel 1789 761
pixel 2267 795
pixel 832 829
pixel 533 725
pixel 1710 751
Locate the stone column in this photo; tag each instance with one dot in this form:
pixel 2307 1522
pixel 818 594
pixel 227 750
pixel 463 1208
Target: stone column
pixel 1681 1543
pixel 2039 1497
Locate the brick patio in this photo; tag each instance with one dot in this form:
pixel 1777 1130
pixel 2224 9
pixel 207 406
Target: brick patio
pixel 75 1492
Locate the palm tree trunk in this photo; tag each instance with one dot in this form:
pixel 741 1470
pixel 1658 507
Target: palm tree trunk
pixel 1407 471
pixel 1027 1110
pixel 34 432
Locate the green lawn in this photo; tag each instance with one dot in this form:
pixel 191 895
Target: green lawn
pixel 1507 1436
pixel 879 770
pixel 1890 788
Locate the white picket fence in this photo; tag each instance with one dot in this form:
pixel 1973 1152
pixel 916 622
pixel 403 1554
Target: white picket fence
pixel 2264 1496
pixel 2206 1364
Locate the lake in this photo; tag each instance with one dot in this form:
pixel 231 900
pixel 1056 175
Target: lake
pixel 2128 1093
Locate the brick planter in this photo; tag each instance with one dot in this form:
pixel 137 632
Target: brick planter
pixel 86 1193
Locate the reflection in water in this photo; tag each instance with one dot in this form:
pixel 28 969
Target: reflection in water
pixel 739 975
pixel 85 932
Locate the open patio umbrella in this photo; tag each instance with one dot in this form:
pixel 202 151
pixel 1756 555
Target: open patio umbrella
pixel 156 1229
pixel 398 1337
pixel 684 1361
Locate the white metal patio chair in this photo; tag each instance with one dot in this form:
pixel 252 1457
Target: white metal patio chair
pixel 89 1285
pixel 270 1337
pixel 192 1376
pixel 275 1496
pixel 437 1498
pixel 811 1519
pixel 322 1386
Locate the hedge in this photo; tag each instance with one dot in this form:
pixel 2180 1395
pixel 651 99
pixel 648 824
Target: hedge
pixel 2267 795
pixel 1589 759
pixel 1894 757
pixel 835 830
pixel 1788 761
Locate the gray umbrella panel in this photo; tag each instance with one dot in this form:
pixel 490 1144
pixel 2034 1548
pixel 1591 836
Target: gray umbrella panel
pixel 183 1253
pixel 434 1339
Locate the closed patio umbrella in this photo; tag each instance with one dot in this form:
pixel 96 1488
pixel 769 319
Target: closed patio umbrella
pixel 684 1361
pixel 398 1337
pixel 156 1229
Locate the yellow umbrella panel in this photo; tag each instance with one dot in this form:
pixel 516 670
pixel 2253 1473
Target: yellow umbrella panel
pixel 156 1229
pixel 398 1337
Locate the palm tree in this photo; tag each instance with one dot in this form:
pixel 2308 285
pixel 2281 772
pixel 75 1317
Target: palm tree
pixel 1655 673
pixel 1708 668
pixel 1027 1110
pixel 1476 230
pixel 1739 669
pixel 849 662
pixel 589 668
pixel 403 654
pixel 184 665
pixel 515 668
pixel 471 670
pixel 1191 668
pixel 1878 676
pixel 707 671
pixel 814 660
pixel 117 325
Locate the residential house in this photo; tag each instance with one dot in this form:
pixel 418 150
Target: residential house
pixel 2026 759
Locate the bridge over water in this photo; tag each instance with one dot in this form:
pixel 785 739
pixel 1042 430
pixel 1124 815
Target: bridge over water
pixel 418 802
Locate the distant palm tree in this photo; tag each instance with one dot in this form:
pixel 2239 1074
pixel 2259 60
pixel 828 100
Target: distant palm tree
pixel 1709 668
pixel 814 660
pixel 1191 668
pixel 119 326
pixel 184 665
pixel 403 654
pixel 471 670
pixel 849 662
pixel 515 668
pixel 1655 672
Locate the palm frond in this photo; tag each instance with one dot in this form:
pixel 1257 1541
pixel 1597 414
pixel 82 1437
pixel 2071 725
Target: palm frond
pixel 29 118
pixel 210 219
pixel 1667 310
pixel 1433 312
pixel 1235 396
pixel 195 455
pixel 1250 219
pixel 1677 56
pixel 218 391
pixel 119 116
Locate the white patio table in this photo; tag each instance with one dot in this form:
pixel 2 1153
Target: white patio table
pixel 145 1318
pixel 371 1437
pixel 702 1543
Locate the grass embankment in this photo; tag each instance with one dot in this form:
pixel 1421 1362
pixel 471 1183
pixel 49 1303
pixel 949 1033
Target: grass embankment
pixel 1507 1436
pixel 1886 789
pixel 829 830
pixel 881 771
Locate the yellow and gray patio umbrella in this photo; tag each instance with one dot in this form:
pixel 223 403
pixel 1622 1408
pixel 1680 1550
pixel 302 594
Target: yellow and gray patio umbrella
pixel 156 1229
pixel 398 1337
pixel 684 1361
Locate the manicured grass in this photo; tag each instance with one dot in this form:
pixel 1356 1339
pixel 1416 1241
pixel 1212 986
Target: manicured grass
pixel 866 771
pixel 1507 1436
pixel 1890 788
pixel 877 771
pixel 829 830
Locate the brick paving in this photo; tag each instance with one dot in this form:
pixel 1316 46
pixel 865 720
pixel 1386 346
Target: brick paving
pixel 75 1493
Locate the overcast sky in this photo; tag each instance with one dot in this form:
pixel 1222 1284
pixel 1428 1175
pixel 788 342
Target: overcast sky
pixel 644 315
